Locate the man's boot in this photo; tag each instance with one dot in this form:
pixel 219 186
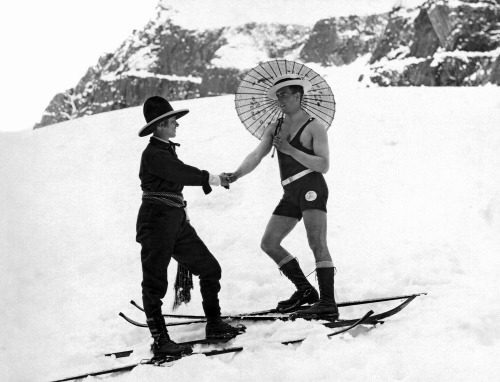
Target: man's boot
pixel 305 293
pixel 326 304
pixel 217 329
pixel 162 344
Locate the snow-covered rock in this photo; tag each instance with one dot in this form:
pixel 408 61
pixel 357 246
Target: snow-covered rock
pixel 437 43
pixel 440 43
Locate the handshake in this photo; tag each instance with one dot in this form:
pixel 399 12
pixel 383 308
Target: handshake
pixel 226 178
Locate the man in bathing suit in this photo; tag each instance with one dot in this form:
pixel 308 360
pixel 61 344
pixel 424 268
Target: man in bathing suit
pixel 303 156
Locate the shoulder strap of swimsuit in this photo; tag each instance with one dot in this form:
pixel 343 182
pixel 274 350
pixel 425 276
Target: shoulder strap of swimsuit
pixel 278 126
pixel 303 127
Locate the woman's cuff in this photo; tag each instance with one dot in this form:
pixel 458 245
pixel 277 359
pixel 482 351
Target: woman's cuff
pixel 214 180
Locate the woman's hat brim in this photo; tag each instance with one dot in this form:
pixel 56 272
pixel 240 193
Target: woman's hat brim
pixel 271 92
pixel 151 126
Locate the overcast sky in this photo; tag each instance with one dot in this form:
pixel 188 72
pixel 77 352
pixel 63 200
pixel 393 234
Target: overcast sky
pixel 48 45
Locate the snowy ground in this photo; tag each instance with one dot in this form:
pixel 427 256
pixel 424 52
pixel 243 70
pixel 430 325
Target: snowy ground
pixel 414 207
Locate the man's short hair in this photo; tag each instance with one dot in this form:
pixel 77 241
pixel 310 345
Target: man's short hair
pixel 297 89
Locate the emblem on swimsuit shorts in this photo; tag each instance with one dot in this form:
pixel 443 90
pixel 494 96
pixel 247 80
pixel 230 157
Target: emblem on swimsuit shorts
pixel 310 196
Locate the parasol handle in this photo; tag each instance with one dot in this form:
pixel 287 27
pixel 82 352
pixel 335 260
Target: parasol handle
pixel 276 132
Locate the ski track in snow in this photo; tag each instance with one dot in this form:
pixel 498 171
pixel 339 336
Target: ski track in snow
pixel 414 207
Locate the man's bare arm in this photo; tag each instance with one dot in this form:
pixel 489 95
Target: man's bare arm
pixel 254 158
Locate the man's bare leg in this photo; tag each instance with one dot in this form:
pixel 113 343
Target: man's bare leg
pixel 316 226
pixel 315 223
pixel 277 229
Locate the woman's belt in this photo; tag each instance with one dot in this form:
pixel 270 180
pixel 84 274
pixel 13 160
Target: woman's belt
pixel 168 198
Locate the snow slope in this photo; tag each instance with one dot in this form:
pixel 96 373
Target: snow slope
pixel 414 207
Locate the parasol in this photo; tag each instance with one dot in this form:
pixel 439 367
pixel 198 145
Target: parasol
pixel 256 110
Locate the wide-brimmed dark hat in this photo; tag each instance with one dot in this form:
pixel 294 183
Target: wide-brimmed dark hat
pixel 288 80
pixel 157 109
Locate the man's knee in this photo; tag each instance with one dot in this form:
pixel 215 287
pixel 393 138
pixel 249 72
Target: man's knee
pixel 316 235
pixel 268 244
pixel 317 244
pixel 264 245
pixel 320 250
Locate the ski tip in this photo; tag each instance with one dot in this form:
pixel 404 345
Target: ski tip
pixel 222 351
pixel 120 354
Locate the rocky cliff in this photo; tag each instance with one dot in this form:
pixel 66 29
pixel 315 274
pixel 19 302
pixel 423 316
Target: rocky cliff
pixel 340 41
pixel 168 60
pixel 439 43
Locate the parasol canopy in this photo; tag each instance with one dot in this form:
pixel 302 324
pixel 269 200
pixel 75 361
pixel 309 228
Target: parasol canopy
pixel 256 110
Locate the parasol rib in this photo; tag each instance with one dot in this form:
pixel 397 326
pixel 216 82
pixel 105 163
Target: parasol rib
pixel 314 100
pixel 274 71
pixel 246 119
pixel 269 74
pixel 259 121
pixel 314 105
pixel 316 75
pixel 260 77
pixel 278 64
pixel 302 67
pixel 258 96
pixel 270 115
pixel 320 117
pixel 257 91
pixel 310 70
pixel 261 103
pixel 259 110
pixel 258 83
pixel 262 87
pixel 253 95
